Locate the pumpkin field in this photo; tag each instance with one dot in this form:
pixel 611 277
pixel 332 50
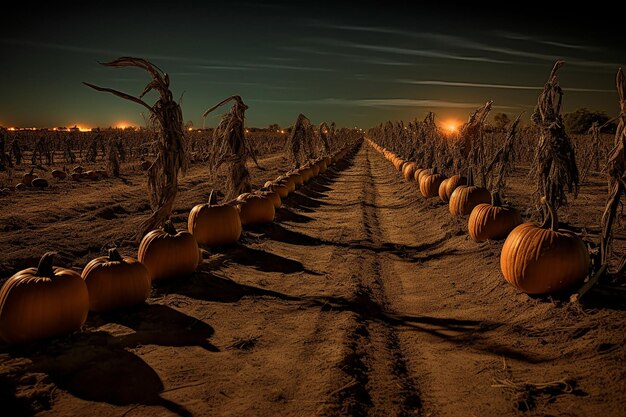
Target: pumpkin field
pixel 406 269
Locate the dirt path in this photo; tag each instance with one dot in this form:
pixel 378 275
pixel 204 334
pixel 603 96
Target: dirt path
pixel 361 299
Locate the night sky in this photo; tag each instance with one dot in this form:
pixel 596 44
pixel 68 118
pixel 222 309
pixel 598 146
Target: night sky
pixel 355 65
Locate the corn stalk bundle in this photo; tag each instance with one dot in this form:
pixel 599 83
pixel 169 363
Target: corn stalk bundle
pixel 171 158
pixel 616 168
pixel 324 133
pixel 470 148
pixel 300 142
pixel 230 148
pixel 554 166
pixel 502 162
pixel 592 156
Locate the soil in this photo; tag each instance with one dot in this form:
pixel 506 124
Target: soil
pixel 362 299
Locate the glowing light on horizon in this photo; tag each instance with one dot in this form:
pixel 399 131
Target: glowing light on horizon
pixel 123 125
pixel 451 126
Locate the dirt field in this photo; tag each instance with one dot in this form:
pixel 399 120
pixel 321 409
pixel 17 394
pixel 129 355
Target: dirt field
pixel 361 299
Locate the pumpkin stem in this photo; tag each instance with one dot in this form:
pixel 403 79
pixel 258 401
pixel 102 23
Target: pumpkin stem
pixel 496 201
pixel 212 198
pixel 169 228
pixel 114 256
pixel 470 177
pixel 44 269
pixel 552 218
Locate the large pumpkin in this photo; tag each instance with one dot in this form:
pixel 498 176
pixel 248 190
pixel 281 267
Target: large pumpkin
pixel 115 282
pixel 255 209
pixel 452 184
pixel 429 184
pixel 466 197
pixel 42 302
pixel 492 221
pixel 58 174
pixel 169 254
pixel 541 259
pixel 213 224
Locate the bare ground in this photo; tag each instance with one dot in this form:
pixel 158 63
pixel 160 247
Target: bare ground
pixel 361 299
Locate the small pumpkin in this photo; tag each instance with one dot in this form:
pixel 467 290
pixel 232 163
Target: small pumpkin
pixel 101 173
pixel 492 221
pixel 58 174
pixel 20 186
pixel 452 184
pixel 115 282
pixel 280 187
pixel 39 183
pixel 42 302
pixel 272 195
pixel 169 254
pixel 297 179
pixel 76 176
pixel 543 259
pixel 27 178
pixel 442 191
pixel 91 175
pixel 78 169
pixel 255 209
pixel 212 224
pixel 422 173
pixel 466 197
pixel 408 171
pixel 323 165
pixel 429 184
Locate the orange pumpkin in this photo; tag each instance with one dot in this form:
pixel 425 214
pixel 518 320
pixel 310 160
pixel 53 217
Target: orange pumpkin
pixel 213 224
pixel 42 302
pixel 169 254
pixel 541 259
pixel 408 171
pixel 58 174
pixel 39 183
pixel 280 187
pixel 114 282
pixel 442 191
pixel 492 221
pixel 452 184
pixel 28 177
pixel 272 195
pixel 466 197
pixel 429 184
pixel 255 209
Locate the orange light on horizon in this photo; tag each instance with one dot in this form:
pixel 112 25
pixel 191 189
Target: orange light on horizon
pixel 450 126
pixel 123 125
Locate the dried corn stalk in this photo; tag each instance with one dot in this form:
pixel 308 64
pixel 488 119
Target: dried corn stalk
pixel 593 153
pixel 301 141
pixel 554 167
pixel 502 162
pixel 171 158
pixel 323 133
pixel 230 148
pixel 616 170
pixel 470 147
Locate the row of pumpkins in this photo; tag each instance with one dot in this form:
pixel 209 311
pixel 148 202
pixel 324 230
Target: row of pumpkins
pixel 47 301
pixel 536 259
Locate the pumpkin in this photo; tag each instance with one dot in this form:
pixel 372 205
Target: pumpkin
pixel 315 168
pixel 466 197
pixel 214 224
pixel 78 169
pixel 492 221
pixel 452 184
pixel 328 160
pixel 42 302
pixel 169 254
pixel 255 209
pixel 76 176
pixel 58 174
pixel 442 191
pixel 422 174
pixel 27 178
pixel 416 174
pixel 91 175
pixel 272 195
pixel 101 173
pixel 408 171
pixel 289 182
pixel 323 165
pixel 20 187
pixel 114 282
pixel 541 259
pixel 39 183
pixel 145 165
pixel 280 187
pixel 306 173
pixel 429 184
pixel 296 178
